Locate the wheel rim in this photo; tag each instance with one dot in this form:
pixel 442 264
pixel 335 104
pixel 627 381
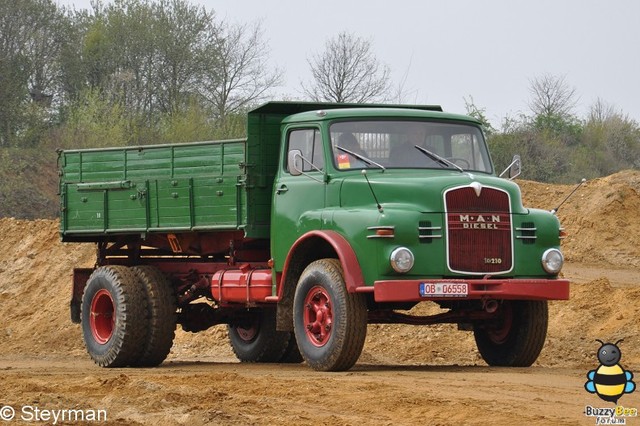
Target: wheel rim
pixel 102 318
pixel 247 333
pixel 500 334
pixel 318 316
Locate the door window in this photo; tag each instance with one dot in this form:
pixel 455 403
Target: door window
pixel 309 143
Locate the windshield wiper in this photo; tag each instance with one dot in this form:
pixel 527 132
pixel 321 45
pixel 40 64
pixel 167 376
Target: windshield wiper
pixel 438 159
pixel 367 160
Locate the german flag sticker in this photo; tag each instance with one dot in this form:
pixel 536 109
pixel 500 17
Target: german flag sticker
pixel 343 161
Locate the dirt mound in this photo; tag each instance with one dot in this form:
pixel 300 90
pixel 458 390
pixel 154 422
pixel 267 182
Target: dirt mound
pixel 36 270
pixel 600 218
pixel 28 183
pixel 597 310
pixel 35 287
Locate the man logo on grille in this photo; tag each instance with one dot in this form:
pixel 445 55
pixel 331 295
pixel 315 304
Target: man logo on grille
pixel 479 222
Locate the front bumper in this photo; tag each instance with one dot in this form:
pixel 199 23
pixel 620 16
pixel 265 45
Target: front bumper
pixel 501 289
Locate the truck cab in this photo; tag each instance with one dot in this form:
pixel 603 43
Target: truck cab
pixel 409 202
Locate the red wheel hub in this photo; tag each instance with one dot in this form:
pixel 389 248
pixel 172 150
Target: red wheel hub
pixel 247 333
pixel 102 319
pixel 318 316
pixel 500 334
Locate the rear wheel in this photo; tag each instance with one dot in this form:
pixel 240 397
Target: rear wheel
pixel 114 316
pixel 330 324
pixel 161 302
pixel 257 340
pixel 292 354
pixel 517 338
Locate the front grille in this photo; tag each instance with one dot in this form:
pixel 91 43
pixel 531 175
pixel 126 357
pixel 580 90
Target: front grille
pixel 478 230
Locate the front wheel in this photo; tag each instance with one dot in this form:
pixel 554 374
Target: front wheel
pixel 330 323
pixel 517 337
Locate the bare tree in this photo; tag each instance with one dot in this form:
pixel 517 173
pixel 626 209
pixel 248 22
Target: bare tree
pixel 400 93
pixel 347 71
pixel 241 75
pixel 601 111
pixel 552 96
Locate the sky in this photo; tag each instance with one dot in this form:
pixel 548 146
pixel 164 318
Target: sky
pixel 449 51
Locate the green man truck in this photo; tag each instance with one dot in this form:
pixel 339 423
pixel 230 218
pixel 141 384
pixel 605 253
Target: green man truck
pixel 325 218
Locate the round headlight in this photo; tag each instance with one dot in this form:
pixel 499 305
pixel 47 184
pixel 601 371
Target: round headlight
pixel 552 261
pixel 401 260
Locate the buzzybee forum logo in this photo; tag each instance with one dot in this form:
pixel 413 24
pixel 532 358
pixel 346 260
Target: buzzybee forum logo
pixel 610 381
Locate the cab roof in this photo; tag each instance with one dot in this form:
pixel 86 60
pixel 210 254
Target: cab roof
pixel 315 111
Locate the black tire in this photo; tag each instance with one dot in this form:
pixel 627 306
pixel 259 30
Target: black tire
pixel 257 340
pixel 517 339
pixel 114 316
pixel 161 303
pixel 330 324
pixel 292 354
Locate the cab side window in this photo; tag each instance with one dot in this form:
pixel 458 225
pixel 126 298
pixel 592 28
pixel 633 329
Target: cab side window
pixel 309 142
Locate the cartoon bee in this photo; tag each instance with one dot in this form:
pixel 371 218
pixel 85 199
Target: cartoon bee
pixel 609 381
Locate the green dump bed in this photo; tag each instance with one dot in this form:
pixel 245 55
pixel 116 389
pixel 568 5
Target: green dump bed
pixel 170 188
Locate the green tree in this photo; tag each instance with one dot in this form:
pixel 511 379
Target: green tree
pixel 184 35
pixel 612 140
pixel 95 122
pixel 479 114
pixel 150 57
pixel 31 41
pixel 189 124
pixel 544 157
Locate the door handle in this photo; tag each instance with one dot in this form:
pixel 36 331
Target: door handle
pixel 283 188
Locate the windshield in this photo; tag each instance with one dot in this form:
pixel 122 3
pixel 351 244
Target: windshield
pixel 392 144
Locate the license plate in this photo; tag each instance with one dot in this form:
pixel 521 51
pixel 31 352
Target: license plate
pixel 444 289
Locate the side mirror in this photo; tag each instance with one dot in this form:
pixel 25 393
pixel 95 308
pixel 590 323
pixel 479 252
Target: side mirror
pixel 295 162
pixel 514 169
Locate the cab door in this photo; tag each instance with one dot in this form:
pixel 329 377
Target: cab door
pixel 299 193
